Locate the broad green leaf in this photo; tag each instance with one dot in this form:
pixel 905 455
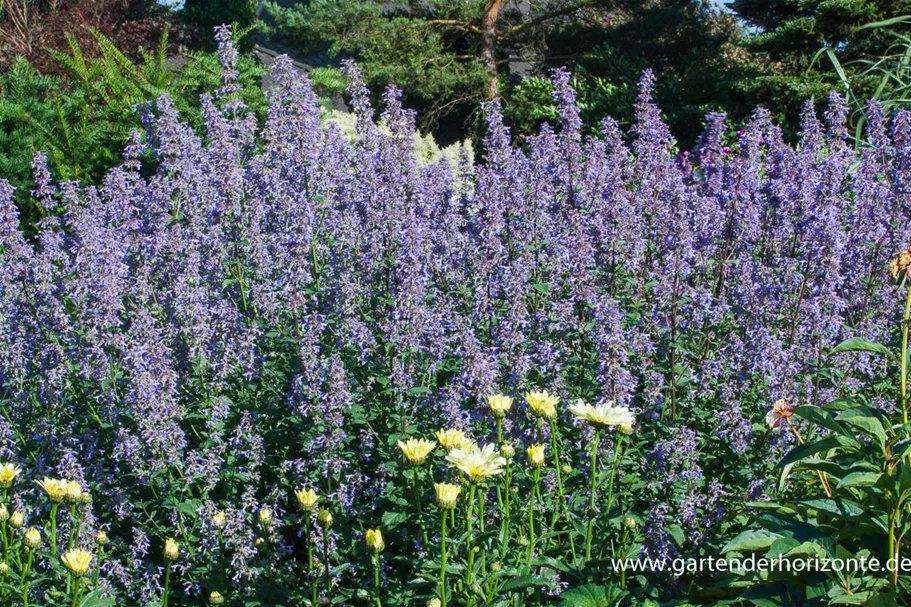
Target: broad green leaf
pixel 751 540
pixel 839 506
pixel 806 450
pixel 824 418
pixel 859 344
pixel 867 424
pixel 590 595
pixel 859 479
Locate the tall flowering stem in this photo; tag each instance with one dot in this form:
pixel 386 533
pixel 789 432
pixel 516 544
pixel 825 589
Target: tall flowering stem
pixel 313 587
pixel 24 581
pixel 54 528
pixel 564 507
pixel 376 579
pixel 593 473
pixel 326 561
pixel 415 470
pixel 618 452
pixel 469 576
pixel 506 518
pixel 906 322
pixel 443 514
pixel 531 514
pixel 167 583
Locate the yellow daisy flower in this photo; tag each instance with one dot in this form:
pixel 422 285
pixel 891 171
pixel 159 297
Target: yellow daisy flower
pixel 477 463
pixel 416 450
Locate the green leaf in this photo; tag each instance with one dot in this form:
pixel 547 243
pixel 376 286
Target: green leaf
pixel 882 600
pixel 391 520
pixel 590 595
pixel 823 418
pixel 97 598
pixel 806 450
pixel 867 424
pixel 525 581
pixel 751 540
pixel 839 506
pixel 859 479
pixel 859 344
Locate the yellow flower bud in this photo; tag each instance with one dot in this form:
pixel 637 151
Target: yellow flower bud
pixel 101 538
pixel 171 549
pixel 542 404
pixel 453 439
pixel 265 517
pixel 507 451
pixel 17 520
pixel 324 518
pixel 4 570
pixel 447 495
pixel 73 492
pixel 536 455
pixel 306 499
pixel 416 450
pixel 218 519
pixel 32 538
pixel 215 598
pixel 499 405
pixel 375 543
pixel 4 514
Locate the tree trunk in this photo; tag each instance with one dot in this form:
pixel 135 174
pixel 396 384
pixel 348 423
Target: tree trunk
pixel 489 45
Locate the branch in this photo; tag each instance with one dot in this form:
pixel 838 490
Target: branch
pixel 566 10
pixel 461 25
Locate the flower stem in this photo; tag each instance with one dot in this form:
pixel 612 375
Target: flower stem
pixel 443 559
pixel 376 579
pixel 531 516
pixel 77 590
pixel 593 473
pixel 563 505
pixel 24 580
pixel 310 562
pixel 167 584
pixel 326 559
pixel 504 532
pixel 469 576
pixel 54 529
pixel 906 321
pixel 417 504
pixel 613 473
pixel 98 566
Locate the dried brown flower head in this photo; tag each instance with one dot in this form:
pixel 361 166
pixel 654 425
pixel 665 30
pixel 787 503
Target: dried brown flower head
pixel 900 262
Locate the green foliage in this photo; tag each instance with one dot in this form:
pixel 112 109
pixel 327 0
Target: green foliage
pixel 845 489
pixel 433 52
pixel 786 40
pixel 438 69
pixel 208 14
pixel 83 122
pixel 886 78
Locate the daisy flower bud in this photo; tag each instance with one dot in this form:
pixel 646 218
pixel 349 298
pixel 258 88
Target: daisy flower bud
pixel 375 543
pixel 324 518
pixel 171 549
pixel 32 538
